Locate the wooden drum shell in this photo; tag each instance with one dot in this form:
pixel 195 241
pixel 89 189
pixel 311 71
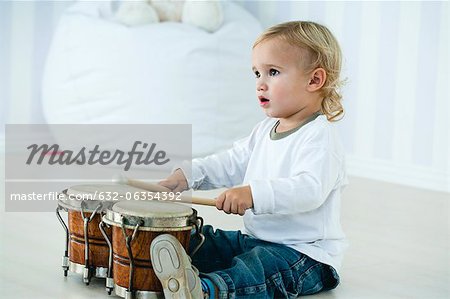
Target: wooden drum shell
pixel 144 278
pixel 98 247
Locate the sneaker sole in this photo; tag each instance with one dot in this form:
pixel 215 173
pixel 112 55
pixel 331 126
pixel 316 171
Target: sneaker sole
pixel 168 267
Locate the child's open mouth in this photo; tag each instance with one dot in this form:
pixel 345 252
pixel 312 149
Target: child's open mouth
pixel 263 101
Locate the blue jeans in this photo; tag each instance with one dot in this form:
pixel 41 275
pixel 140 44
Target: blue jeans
pixel 244 267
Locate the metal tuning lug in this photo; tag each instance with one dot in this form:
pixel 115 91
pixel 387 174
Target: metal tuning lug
pixel 65 258
pixel 109 279
pixel 65 264
pixel 109 285
pixel 86 275
pixel 128 295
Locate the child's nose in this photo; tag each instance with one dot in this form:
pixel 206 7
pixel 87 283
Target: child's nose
pixel 260 85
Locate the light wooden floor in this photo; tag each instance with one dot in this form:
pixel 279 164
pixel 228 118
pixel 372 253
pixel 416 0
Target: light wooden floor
pixel 400 242
pixel 399 247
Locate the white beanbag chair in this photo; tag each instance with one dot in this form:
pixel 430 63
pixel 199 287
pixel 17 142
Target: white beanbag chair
pixel 99 71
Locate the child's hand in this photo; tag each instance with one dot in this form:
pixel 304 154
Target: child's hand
pixel 176 181
pixel 235 200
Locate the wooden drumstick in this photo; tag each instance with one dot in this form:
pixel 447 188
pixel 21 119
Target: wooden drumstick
pixel 199 200
pixel 121 179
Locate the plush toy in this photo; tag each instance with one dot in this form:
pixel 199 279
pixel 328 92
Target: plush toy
pixel 207 15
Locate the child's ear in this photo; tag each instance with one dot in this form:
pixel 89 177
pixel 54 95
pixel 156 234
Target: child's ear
pixel 317 79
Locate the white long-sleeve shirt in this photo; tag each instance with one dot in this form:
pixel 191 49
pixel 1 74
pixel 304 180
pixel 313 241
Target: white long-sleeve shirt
pixel 296 184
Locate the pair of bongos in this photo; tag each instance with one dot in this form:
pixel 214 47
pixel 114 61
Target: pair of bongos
pixel 111 238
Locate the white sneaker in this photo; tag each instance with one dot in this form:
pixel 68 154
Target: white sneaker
pixel 173 267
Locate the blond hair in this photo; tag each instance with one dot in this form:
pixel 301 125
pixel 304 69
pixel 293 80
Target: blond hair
pixel 323 52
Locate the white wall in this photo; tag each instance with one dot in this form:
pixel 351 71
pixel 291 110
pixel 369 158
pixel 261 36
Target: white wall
pixel 396 126
pixel 25 33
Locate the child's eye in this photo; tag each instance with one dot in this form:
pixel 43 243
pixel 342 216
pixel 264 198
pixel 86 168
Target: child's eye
pixel 257 74
pixel 273 72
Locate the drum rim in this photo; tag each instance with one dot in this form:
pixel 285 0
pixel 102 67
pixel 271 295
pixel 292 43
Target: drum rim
pixel 121 292
pixel 186 212
pixel 64 199
pixel 100 272
pixel 151 224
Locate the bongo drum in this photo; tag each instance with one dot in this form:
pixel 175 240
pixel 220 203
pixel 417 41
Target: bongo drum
pixel 86 250
pixel 134 226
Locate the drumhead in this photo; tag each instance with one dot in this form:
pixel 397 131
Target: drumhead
pixel 151 215
pixel 152 209
pixel 93 195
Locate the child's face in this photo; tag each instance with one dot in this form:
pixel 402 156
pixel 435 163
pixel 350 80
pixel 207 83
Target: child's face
pixel 281 81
